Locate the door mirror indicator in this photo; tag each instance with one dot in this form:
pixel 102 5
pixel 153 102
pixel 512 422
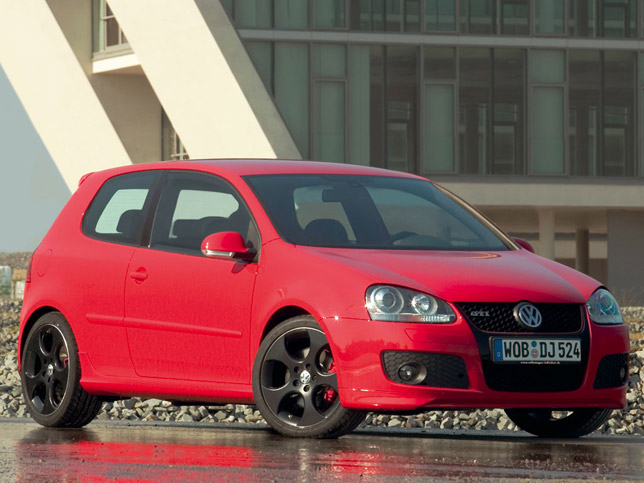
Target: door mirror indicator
pixel 228 245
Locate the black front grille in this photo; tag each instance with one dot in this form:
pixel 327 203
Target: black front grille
pixel 440 370
pixel 612 371
pixel 499 317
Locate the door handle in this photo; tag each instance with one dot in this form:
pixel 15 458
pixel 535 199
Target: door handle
pixel 139 275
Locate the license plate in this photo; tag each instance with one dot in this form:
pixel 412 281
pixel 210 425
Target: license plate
pixel 536 350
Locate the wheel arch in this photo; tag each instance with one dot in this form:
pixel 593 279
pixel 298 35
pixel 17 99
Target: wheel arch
pixel 33 318
pixel 282 315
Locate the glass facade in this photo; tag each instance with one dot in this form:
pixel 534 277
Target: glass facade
pixel 576 18
pixel 457 106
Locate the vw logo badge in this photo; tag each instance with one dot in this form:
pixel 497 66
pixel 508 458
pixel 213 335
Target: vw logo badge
pixel 527 315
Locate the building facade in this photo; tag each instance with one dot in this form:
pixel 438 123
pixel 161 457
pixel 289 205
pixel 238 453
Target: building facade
pixel 530 110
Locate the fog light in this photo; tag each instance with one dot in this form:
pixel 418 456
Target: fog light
pixel 408 372
pixel 623 373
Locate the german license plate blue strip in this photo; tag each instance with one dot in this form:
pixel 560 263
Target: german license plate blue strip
pixel 536 350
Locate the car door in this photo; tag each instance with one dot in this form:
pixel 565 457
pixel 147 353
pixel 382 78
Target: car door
pixel 188 316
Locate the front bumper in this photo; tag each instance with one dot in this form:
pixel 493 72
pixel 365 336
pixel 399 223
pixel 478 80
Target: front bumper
pixel 358 347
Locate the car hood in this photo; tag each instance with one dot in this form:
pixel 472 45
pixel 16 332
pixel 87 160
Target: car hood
pixel 459 276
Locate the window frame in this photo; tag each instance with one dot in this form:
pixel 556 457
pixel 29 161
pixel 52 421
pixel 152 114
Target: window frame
pixel 154 217
pixel 149 206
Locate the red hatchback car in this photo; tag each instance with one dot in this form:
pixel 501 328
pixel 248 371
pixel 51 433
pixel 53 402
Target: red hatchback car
pixel 316 291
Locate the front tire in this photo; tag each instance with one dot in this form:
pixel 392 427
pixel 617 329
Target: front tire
pixel 50 375
pixel 552 423
pixel 295 384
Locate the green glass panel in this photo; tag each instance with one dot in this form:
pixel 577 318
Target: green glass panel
pixel 548 144
pixel 366 108
pixel 549 17
pixel 366 15
pixel 477 16
pixel 330 14
pixel 440 63
pixel 254 14
pixel 330 122
pixel 329 60
pixel 547 66
pixel 292 14
pixel 262 56
pixel 439 128
pixel 440 15
pixel 292 90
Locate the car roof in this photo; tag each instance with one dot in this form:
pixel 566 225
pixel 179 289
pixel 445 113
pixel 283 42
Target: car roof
pixel 245 167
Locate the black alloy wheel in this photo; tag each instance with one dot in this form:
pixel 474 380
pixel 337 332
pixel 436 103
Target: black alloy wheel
pixel 295 383
pixel 50 375
pixel 556 423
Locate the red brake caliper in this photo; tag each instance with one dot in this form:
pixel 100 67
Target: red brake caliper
pixel 330 394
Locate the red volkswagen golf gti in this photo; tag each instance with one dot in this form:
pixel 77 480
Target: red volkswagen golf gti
pixel 316 291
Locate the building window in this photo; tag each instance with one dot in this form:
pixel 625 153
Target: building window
pixel 440 15
pixel 550 17
pixel 366 105
pixel 402 102
pixel 514 17
pixel 618 116
pixel 547 77
pixel 439 141
pixel 172 148
pixel 330 14
pixel 618 18
pixel 477 16
pixel 107 33
pixel 254 13
pixel 291 14
pixel 291 81
pixel 329 102
pixel 584 102
pixel 508 114
pixel 474 109
pixel 582 18
pixel 367 15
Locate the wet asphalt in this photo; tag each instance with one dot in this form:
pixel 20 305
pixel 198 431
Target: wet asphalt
pixel 108 451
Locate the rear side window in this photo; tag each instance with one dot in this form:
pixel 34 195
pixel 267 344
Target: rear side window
pixel 117 211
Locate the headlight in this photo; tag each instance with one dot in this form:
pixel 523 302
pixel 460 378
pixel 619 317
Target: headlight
pixel 603 308
pixel 385 302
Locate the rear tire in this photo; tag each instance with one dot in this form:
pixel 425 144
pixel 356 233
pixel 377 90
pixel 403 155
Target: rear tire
pixel 549 423
pixel 50 374
pixel 295 384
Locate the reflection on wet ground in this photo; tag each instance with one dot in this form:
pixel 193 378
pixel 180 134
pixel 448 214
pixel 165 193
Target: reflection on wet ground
pixel 146 452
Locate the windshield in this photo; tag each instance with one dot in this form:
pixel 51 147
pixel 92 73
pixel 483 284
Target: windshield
pixel 380 212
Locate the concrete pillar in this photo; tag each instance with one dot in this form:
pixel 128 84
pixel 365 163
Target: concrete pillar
pixel 625 260
pixel 582 261
pixel 547 233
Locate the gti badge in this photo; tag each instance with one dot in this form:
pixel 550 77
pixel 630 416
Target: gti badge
pixel 527 315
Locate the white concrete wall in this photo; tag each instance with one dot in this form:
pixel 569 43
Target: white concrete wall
pixel 32 190
pixel 204 79
pixel 55 92
pixel 126 95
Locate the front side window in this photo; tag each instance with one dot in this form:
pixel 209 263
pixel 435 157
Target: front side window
pixel 371 212
pixel 118 210
pixel 195 205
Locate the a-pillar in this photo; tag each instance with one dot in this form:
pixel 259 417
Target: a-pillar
pixel 582 261
pixel 547 233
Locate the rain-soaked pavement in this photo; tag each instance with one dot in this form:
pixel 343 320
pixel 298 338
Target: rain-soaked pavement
pixel 185 452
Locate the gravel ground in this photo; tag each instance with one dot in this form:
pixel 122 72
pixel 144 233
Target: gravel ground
pixel 627 421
